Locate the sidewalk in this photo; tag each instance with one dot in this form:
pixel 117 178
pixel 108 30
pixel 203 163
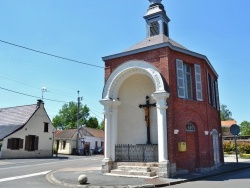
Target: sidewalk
pixel 69 177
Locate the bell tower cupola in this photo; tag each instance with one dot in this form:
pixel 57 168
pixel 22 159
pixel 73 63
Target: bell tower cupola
pixel 156 19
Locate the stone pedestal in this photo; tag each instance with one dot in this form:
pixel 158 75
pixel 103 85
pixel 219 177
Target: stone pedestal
pixel 166 169
pixel 106 165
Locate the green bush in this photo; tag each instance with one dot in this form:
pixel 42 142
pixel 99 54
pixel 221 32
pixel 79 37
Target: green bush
pixel 245 156
pixel 228 146
pixel 244 148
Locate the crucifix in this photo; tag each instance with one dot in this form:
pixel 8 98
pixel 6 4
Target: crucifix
pixel 147 107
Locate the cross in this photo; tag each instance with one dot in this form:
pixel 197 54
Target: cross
pixel 147 107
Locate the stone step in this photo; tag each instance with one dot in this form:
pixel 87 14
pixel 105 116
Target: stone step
pixel 134 168
pixel 133 173
pixel 148 164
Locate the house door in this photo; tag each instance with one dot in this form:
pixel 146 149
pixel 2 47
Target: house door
pixel 192 147
pixel 216 147
pixel 87 148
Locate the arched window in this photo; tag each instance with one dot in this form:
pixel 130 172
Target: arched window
pixel 190 127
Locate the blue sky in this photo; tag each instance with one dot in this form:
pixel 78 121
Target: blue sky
pixel 88 30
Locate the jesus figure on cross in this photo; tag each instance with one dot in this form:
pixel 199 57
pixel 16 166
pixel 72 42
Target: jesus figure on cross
pixel 147 107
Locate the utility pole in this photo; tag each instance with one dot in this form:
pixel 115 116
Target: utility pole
pixel 77 132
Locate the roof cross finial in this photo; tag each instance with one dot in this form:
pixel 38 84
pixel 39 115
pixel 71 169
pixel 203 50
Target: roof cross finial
pixel 155 1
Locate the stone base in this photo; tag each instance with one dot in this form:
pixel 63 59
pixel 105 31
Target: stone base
pixel 166 169
pixel 106 165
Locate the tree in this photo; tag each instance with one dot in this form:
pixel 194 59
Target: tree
pixel 225 114
pixel 92 123
pixel 245 128
pixel 67 117
pixel 101 126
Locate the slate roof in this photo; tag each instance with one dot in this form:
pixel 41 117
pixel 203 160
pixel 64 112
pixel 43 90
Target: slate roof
pixel 13 118
pixel 155 40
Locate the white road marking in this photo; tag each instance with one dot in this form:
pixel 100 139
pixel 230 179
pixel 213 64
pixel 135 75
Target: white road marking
pixel 40 164
pixel 24 176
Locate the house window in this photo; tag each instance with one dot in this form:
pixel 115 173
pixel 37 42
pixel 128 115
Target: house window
pixel 190 127
pixel 15 143
pixel 64 145
pixel 96 144
pixel 184 80
pixel 154 29
pixel 31 142
pixel 46 127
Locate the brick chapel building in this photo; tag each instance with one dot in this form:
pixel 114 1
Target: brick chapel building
pixel 180 121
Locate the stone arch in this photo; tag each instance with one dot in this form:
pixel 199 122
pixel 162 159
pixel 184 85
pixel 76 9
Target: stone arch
pixel 127 69
pixel 111 104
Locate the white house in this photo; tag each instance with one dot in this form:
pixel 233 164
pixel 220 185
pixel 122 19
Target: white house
pixel 25 131
pixel 89 138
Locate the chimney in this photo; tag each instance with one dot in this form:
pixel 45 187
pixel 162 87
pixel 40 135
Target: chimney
pixel 40 103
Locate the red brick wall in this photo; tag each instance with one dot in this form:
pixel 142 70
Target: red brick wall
pixel 180 111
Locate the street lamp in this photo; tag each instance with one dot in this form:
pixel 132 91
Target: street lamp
pixel 43 90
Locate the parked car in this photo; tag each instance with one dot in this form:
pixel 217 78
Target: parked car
pixel 97 150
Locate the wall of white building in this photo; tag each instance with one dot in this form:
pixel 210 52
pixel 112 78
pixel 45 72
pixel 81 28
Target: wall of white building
pixel 35 126
pixel 92 140
pixel 71 143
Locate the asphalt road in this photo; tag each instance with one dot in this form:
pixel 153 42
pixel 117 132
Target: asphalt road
pixel 23 173
pixel 238 179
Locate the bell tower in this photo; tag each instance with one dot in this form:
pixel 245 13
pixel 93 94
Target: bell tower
pixel 156 19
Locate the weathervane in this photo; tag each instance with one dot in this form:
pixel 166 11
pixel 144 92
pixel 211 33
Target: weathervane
pixel 155 1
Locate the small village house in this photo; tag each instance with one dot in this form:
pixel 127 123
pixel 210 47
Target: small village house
pixel 25 131
pixel 89 138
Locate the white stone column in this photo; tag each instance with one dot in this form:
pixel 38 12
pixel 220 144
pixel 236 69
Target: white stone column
pixel 110 111
pixel 162 125
pixel 108 115
pixel 115 105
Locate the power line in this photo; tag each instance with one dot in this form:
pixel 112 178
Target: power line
pixel 31 95
pixel 29 84
pixel 52 55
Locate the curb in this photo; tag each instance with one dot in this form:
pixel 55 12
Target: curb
pixel 202 177
pixel 50 177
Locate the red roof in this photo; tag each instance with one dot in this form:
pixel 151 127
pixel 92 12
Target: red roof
pixel 228 123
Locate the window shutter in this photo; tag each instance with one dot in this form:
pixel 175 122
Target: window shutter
pixel 9 144
pixel 180 78
pixel 217 95
pixel 198 82
pixel 20 143
pixel 208 88
pixel 213 92
pixel 36 143
pixel 27 143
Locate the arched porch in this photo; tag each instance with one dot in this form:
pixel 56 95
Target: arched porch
pixel 112 104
